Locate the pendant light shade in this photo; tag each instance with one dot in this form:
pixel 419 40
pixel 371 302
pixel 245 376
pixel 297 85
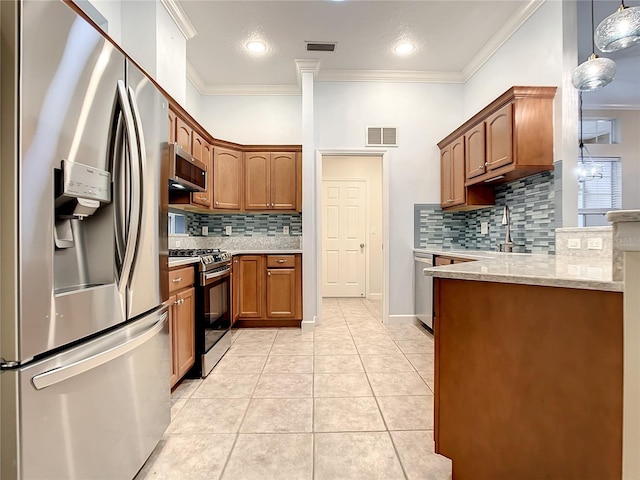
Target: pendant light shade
pixel 595 73
pixel 619 30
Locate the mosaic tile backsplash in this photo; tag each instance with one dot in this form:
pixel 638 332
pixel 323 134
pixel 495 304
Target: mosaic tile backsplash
pixel 531 203
pixel 245 225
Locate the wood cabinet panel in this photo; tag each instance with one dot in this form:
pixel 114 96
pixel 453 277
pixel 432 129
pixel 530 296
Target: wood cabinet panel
pixel 227 179
pixel 439 261
pixel 201 150
pixel 235 289
pixel 257 190
pixel 184 329
pixel 173 361
pixel 475 151
pixel 500 138
pixel 281 261
pixel 251 286
pixel 281 293
pixel 172 126
pixel 283 181
pixel 183 134
pixel 445 176
pixel 180 278
pixel 457 173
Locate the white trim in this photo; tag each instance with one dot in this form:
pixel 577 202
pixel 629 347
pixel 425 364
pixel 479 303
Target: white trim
pixel 398 76
pixel 181 19
pixel 402 320
pixel 385 218
pixel 309 326
pixel 610 106
pixel 500 38
pixel 374 296
pixel 194 77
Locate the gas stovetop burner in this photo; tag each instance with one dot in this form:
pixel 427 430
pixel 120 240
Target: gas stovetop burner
pixel 209 257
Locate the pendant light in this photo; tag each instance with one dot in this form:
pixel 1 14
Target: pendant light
pixel 595 72
pixel 587 170
pixel 619 30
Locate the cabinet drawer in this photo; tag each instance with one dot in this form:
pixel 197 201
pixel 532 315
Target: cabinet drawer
pixel 281 261
pixel 180 278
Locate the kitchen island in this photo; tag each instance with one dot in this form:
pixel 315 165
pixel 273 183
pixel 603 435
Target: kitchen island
pixel 529 367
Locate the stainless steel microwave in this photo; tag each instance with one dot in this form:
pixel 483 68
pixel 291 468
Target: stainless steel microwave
pixel 187 173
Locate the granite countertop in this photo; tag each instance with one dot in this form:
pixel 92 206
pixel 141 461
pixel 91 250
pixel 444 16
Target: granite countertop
pixel 180 261
pixel 532 269
pixel 461 252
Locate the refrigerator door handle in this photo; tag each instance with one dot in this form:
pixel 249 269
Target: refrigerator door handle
pixel 57 375
pixel 134 212
pixel 142 155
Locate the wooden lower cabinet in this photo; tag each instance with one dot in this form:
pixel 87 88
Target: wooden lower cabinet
pixel 268 290
pixel 182 346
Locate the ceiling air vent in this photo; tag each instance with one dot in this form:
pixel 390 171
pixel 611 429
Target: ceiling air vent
pixel 382 136
pixel 321 47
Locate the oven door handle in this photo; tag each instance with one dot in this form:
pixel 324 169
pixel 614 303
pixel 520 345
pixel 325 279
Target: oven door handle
pixel 211 276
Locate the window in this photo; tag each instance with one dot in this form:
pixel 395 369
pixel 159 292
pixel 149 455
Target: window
pixel 598 131
pixel 599 195
pixel 177 224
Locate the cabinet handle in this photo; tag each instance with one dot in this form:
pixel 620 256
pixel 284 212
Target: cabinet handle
pixel 217 202
pixel 486 164
pixel 480 166
pixel 268 274
pixel 281 261
pixel 179 302
pixel 176 280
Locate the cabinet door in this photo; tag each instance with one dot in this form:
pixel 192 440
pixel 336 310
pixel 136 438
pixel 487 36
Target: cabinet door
pixel 257 195
pixel 500 138
pixel 172 126
pixel 173 373
pixel 283 181
pixel 184 331
pixel 251 286
pixel 281 293
pixel 442 261
pixel 457 172
pixel 235 290
pixel 475 151
pixel 201 150
pixel 227 179
pixel 183 134
pixel 445 176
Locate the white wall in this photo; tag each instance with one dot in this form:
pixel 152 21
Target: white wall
pixel 171 56
pixel 628 149
pixel 423 114
pixel 111 10
pixel 370 169
pixel 251 119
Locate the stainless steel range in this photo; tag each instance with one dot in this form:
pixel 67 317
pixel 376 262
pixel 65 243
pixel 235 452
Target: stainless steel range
pixel 213 318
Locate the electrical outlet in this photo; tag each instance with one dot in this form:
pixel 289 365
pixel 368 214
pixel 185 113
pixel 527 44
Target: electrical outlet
pixel 573 244
pixel 484 228
pixel 227 230
pixel 594 243
pixel 205 231
pixel 285 229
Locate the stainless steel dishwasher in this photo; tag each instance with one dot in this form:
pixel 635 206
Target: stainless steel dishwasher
pixel 423 289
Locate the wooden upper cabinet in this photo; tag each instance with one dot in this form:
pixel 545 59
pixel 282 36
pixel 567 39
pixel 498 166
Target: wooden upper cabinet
pixel 183 134
pixel 283 181
pixel 201 150
pixel 172 126
pixel 457 172
pixel 257 182
pixel 227 179
pixel 445 176
pixel 474 142
pixel 251 289
pixel 500 138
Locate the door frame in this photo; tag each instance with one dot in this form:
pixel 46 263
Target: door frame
pixel 366 227
pixel 384 154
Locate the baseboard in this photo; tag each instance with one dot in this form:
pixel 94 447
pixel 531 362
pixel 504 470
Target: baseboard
pixel 308 325
pixel 375 296
pixel 402 320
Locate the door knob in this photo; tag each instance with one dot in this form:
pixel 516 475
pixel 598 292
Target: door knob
pixel 362 245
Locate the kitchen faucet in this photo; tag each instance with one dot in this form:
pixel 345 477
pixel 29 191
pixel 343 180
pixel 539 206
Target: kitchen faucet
pixel 507 246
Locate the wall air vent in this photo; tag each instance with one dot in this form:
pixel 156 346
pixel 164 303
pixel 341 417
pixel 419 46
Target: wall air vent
pixel 321 47
pixel 382 137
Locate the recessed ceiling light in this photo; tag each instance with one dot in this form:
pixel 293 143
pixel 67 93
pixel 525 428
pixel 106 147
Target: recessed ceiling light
pixel 404 48
pixel 256 46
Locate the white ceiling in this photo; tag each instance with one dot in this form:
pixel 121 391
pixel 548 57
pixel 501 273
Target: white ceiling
pixel 453 39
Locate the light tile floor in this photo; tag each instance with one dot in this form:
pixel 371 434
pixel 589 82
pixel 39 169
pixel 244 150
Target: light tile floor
pixel 352 400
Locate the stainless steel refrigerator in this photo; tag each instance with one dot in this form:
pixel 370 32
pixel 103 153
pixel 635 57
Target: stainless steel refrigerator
pixel 84 382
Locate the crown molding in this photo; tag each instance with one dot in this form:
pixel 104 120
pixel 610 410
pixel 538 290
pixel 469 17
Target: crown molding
pixel 500 38
pixel 611 106
pixel 389 76
pixel 251 90
pixel 180 18
pixel 194 77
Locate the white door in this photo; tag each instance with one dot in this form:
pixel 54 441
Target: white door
pixel 343 238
